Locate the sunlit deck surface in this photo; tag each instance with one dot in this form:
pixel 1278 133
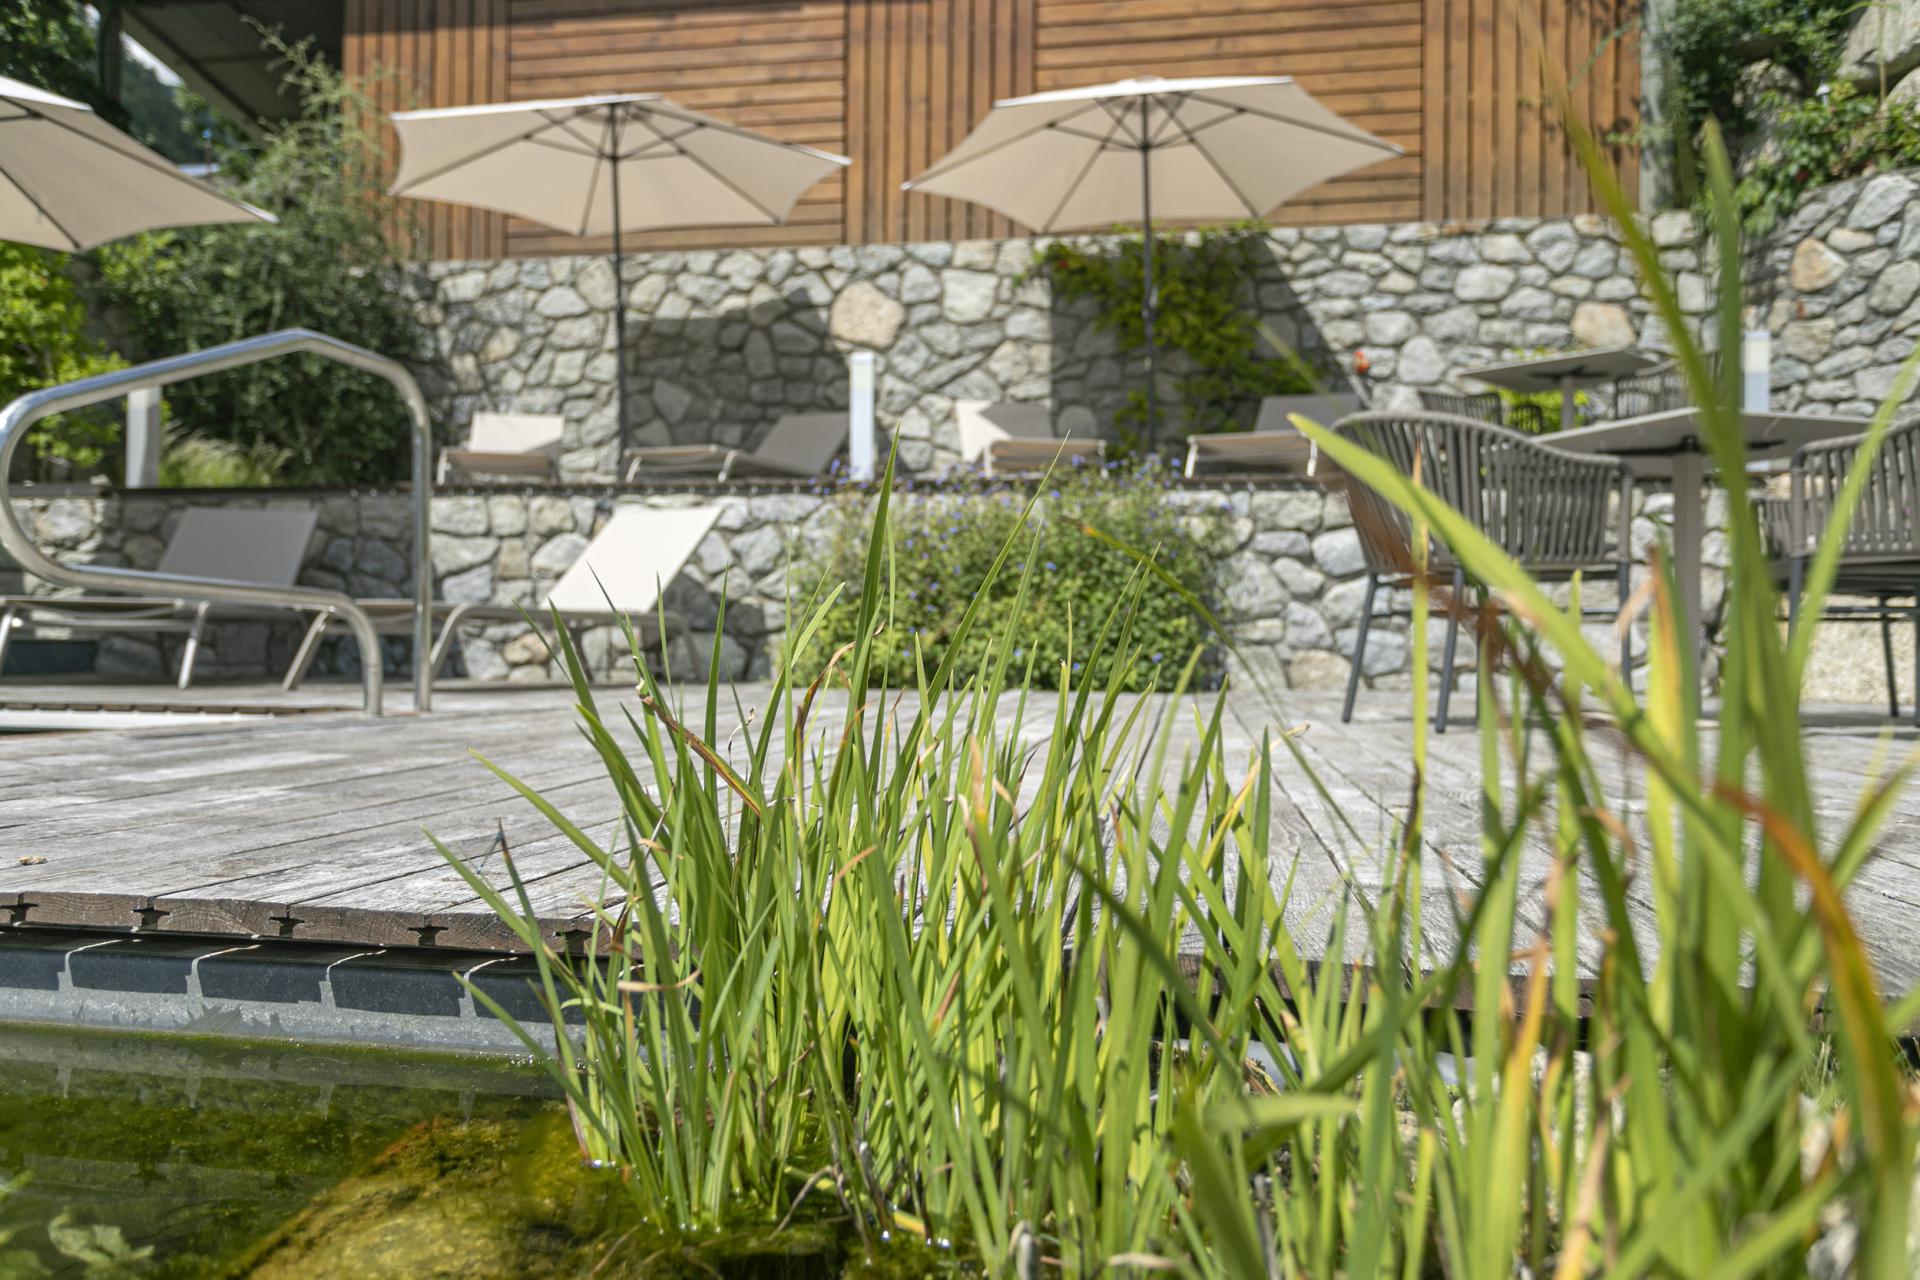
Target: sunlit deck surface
pixel 312 826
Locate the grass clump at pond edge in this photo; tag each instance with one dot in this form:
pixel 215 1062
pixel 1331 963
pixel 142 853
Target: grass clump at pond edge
pixel 895 932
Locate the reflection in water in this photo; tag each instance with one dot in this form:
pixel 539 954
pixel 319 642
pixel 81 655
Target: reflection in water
pixel 199 1149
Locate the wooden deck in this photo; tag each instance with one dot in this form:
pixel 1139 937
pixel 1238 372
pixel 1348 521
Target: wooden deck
pixel 311 826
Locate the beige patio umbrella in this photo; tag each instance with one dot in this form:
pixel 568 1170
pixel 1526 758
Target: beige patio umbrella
pixel 1190 150
pixel 603 166
pixel 70 181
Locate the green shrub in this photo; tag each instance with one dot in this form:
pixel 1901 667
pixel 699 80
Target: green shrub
pixel 1206 313
pixel 945 541
pixel 329 264
pixel 1816 142
pixel 43 343
pixel 197 463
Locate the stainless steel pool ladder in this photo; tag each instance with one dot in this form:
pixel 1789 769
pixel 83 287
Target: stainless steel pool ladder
pixel 30 408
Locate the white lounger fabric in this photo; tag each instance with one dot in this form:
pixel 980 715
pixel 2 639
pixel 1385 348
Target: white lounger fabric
pixel 619 577
pixel 259 547
pixel 800 445
pixel 514 445
pixel 1274 442
pixel 1016 437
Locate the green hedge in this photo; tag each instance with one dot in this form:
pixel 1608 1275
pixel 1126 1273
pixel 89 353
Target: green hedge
pixel 946 541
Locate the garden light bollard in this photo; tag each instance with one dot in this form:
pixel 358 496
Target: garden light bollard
pixel 1756 370
pixel 860 442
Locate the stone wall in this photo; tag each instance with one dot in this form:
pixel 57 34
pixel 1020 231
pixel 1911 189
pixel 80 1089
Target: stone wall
pixel 1838 287
pixel 1289 582
pixel 722 343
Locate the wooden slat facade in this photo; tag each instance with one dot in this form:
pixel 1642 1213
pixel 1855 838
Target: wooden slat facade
pixel 1464 86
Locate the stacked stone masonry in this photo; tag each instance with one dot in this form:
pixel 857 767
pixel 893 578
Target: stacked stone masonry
pixel 724 343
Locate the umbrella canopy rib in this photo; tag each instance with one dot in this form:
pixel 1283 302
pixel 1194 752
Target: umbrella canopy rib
pixel 942 170
pixel 72 240
pixel 593 176
pixel 1363 139
pixel 69 180
pixel 1214 162
pixel 712 172
pixel 1079 180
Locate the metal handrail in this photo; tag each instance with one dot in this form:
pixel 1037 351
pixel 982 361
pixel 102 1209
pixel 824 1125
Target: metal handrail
pixel 30 408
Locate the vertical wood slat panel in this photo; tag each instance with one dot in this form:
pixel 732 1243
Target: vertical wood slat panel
pixel 1492 77
pixel 919 74
pixel 1433 122
pixel 858 178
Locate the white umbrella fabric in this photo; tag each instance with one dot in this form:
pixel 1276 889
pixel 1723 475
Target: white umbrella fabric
pixel 1195 149
pixel 70 181
pixel 605 165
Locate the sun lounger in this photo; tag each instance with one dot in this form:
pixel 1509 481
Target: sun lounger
pixel 1006 438
pixel 1274 443
pixel 508 446
pixel 800 445
pixel 619 577
pixel 262 548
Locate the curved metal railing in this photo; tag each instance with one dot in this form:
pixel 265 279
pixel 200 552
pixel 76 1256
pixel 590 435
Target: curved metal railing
pixel 30 408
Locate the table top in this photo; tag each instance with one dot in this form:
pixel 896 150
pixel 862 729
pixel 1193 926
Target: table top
pixel 1548 373
pixel 1650 441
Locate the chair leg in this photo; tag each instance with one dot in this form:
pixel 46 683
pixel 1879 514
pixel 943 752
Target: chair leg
pixel 8 621
pixel 1359 647
pixel 1886 654
pixel 303 656
pixel 1453 639
pixel 1796 582
pixel 1626 632
pixel 191 649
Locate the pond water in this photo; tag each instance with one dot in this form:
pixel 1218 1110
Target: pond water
pixel 165 1156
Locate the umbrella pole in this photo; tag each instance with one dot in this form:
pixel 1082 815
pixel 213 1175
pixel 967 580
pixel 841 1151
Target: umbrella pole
pixel 619 316
pixel 620 343
pixel 1148 303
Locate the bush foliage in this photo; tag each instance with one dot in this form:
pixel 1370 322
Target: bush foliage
pixel 1065 582
pixel 43 342
pixel 329 264
pixel 1824 140
pixel 1206 313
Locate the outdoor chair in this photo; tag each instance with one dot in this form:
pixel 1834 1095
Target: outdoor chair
pixel 619 578
pixel 506 446
pixel 800 445
pixel 1657 390
pixel 1556 513
pixel 1486 406
pixel 259 548
pixel 1274 443
pixel 1880 557
pixel 1011 438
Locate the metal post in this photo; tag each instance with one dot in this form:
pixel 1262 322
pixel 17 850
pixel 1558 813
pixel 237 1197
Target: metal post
pixel 143 439
pixel 619 294
pixel 1148 302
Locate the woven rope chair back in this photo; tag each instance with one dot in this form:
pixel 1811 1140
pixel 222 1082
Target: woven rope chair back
pixel 1886 523
pixel 1540 505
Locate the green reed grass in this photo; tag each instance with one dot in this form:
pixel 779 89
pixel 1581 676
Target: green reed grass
pixel 1002 993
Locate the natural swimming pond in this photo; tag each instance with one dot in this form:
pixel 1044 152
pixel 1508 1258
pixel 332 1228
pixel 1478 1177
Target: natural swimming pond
pixel 167 1156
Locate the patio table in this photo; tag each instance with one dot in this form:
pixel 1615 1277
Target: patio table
pixel 1668 445
pixel 1565 373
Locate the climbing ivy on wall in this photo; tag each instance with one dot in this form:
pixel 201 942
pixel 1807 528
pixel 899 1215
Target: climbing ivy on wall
pixel 1768 72
pixel 1208 313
